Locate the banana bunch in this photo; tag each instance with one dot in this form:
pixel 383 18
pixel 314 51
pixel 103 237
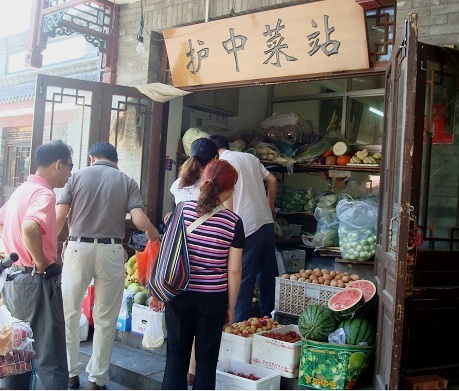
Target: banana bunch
pixel 131 269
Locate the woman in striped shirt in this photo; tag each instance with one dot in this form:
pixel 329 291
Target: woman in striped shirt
pixel 215 253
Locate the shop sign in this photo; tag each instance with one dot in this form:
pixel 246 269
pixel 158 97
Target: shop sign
pixel 320 37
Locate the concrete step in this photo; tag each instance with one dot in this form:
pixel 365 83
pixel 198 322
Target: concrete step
pixel 132 366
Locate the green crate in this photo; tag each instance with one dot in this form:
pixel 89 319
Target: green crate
pixel 326 366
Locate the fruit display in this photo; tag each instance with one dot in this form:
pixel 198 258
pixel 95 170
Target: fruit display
pixel 366 157
pixel 367 287
pixel 251 326
pixel 323 276
pixel 290 336
pixel 240 374
pixel 316 322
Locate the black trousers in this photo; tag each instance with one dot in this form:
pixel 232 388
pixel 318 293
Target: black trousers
pixel 200 316
pixel 39 302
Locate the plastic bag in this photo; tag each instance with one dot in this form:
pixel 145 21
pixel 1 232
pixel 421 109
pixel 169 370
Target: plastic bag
pixel 145 261
pixel 153 337
pixel 138 240
pixel 357 228
pixel 6 334
pixel 327 228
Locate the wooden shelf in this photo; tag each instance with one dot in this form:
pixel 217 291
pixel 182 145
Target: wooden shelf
pixel 302 167
pixel 370 262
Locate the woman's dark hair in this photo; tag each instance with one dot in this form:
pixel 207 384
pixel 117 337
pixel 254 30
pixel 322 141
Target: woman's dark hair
pixel 202 151
pixel 220 141
pixel 52 151
pixel 218 176
pixel 105 150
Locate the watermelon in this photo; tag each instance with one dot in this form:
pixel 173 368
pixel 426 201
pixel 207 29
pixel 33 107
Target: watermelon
pixel 346 303
pixel 358 330
pixel 367 287
pixel 316 322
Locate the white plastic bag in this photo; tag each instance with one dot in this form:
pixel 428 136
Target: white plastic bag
pixel 154 331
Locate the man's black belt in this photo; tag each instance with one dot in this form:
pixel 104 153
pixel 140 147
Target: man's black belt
pixel 95 240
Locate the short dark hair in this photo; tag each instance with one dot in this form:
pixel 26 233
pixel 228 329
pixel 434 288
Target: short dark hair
pixel 104 149
pixel 52 151
pixel 220 141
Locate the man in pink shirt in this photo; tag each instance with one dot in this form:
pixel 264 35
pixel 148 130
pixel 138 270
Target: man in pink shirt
pixel 28 227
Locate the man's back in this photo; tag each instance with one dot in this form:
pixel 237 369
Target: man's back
pixel 249 199
pixel 100 196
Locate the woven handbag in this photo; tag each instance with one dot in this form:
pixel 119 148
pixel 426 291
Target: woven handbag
pixel 171 272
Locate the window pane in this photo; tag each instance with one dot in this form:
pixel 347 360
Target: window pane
pixel 365 120
pixel 309 88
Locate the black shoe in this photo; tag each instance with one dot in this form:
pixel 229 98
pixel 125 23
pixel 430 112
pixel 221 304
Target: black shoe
pixel 74 382
pixel 94 386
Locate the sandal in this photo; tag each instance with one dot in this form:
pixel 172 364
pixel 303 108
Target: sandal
pixel 190 379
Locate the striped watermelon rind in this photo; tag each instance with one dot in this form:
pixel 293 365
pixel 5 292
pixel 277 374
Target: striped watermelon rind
pixel 367 287
pixel 358 330
pixel 316 322
pixel 346 303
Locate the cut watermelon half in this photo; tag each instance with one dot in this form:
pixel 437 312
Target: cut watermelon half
pixel 346 303
pixel 367 287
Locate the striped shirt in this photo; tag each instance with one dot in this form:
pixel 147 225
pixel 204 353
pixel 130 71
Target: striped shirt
pixel 208 247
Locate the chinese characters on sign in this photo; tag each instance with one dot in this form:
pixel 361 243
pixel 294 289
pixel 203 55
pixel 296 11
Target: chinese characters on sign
pixel 311 38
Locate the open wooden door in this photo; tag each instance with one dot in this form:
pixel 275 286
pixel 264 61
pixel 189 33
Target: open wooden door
pixel 417 268
pixel 396 211
pixel 81 113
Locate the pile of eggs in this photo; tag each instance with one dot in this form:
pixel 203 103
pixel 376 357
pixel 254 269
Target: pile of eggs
pixel 323 276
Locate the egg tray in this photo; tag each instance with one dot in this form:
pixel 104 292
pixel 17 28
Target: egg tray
pixel 292 297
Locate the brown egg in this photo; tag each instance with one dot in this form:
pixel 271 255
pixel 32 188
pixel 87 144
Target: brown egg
pixel 308 271
pixel 338 277
pixel 286 276
pixel 318 273
pixel 333 273
pixel 341 284
pixel 327 277
pixel 321 280
pixel 302 279
pixel 345 278
pixel 302 271
pixel 315 281
pixel 325 271
pixel 333 283
pixel 327 282
pixel 316 270
pixel 308 280
pixel 355 277
pixel 346 273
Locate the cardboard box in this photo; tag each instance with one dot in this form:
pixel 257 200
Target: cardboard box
pixel 278 355
pixel 269 379
pixel 235 347
pixel 87 306
pixel 124 318
pixel 425 382
pixel 326 366
pixel 140 315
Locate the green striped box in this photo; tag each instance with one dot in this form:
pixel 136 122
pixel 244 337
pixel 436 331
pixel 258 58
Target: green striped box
pixel 326 366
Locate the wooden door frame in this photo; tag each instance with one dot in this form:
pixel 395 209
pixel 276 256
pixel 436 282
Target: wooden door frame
pixel 393 296
pixel 102 94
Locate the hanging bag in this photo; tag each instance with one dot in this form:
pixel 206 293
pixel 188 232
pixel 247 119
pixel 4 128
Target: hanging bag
pixel 153 337
pixel 171 271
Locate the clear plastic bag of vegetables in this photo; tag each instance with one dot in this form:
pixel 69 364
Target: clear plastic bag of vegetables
pixel 327 228
pixel 294 200
pixel 358 220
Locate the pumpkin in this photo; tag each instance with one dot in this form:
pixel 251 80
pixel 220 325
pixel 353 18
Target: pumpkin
pixel 343 160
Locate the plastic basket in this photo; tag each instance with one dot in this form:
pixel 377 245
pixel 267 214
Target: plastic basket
pixel 292 297
pixel 326 366
pixel 285 319
pixel 19 359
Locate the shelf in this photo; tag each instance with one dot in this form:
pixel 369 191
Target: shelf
pixel 368 263
pixel 302 167
pixel 295 240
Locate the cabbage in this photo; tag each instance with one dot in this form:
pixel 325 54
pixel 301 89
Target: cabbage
pixel 190 135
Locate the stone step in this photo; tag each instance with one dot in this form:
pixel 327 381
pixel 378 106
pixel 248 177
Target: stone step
pixel 132 366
